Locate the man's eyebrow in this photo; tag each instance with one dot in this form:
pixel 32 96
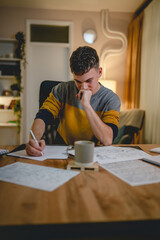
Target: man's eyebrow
pixel 76 80
pixel 89 79
pixel 84 81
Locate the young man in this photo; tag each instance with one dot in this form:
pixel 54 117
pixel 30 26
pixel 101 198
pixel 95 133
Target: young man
pixel 86 109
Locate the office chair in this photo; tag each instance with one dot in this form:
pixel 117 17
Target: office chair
pixel 51 129
pixel 130 126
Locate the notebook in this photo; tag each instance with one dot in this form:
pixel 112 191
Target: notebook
pixel 3 151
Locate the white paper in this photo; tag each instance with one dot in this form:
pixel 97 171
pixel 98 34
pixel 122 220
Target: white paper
pixel 109 154
pixel 153 159
pixel 50 152
pixel 156 150
pixel 71 152
pixel 3 151
pixel 134 172
pixel 35 176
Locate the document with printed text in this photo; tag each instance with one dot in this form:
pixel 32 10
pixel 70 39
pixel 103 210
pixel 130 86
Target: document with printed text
pixel 134 172
pixel 35 176
pixel 109 154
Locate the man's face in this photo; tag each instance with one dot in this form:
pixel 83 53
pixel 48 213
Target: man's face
pixel 89 80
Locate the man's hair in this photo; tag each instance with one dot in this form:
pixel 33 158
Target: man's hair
pixel 83 59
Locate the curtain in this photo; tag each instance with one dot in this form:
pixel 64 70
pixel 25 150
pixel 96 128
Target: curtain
pixel 150 72
pixel 132 87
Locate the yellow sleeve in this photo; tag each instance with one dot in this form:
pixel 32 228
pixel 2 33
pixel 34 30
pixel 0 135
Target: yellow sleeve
pixel 111 116
pixel 52 104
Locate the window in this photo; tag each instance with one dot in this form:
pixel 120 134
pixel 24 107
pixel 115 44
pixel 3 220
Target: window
pixel 49 33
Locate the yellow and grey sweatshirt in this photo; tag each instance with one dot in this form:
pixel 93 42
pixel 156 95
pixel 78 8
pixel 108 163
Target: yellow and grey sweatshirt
pixel 63 103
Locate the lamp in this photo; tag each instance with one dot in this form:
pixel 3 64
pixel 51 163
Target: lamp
pixel 111 84
pixel 89 36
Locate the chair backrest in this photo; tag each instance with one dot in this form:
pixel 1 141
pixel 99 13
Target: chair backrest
pixel 132 117
pixel 50 130
pixel 130 123
pixel 45 89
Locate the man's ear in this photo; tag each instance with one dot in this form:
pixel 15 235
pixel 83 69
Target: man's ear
pixel 100 71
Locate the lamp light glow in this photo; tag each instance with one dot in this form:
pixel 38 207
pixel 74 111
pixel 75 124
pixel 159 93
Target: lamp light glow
pixel 111 84
pixel 89 36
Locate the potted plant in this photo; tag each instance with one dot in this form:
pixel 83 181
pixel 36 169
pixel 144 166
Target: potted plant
pixel 17 110
pixel 15 89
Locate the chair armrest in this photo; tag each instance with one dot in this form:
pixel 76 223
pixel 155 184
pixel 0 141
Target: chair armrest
pixel 125 139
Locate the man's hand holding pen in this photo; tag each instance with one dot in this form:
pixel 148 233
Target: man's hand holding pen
pixel 34 147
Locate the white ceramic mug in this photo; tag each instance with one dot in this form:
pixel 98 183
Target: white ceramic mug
pixel 84 153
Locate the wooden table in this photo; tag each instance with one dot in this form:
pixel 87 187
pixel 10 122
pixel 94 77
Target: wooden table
pixel 92 205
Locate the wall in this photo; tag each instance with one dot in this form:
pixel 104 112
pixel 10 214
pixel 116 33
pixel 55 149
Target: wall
pixel 13 20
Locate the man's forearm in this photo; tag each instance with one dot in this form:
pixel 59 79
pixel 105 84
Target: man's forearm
pixel 38 128
pixel 102 132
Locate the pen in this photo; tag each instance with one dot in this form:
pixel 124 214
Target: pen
pixel 81 95
pixel 151 161
pixel 34 137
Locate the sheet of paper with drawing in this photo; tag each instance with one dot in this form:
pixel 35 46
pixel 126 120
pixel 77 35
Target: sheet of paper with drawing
pixel 50 152
pixel 35 176
pixel 134 172
pixel 155 150
pixel 153 159
pixel 124 163
pixel 109 154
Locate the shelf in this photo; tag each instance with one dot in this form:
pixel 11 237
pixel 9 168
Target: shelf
pixel 7 116
pixel 10 69
pixel 8 124
pixel 8 77
pixel 6 110
pixel 9 59
pixel 9 98
pixel 5 40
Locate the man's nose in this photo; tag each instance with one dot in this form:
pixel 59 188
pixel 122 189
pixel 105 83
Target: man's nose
pixel 84 85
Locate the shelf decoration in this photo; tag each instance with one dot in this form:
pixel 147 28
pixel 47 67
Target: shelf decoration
pixel 17 87
pixel 113 35
pixel 18 110
pixel 20 51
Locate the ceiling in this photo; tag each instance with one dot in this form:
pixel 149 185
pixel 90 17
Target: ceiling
pixel 76 5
